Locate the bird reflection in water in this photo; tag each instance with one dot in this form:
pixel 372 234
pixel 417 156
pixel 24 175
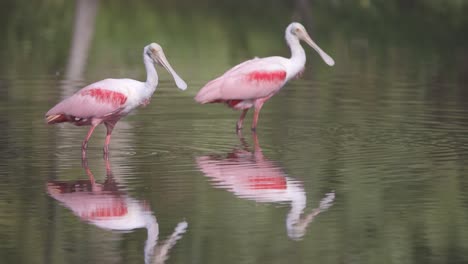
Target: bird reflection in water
pixel 250 175
pixel 107 207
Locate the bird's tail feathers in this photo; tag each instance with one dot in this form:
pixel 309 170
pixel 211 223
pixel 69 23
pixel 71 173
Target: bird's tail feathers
pixel 209 93
pixel 53 119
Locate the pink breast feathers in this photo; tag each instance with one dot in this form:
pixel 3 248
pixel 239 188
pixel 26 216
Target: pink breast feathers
pixel 265 76
pixel 106 96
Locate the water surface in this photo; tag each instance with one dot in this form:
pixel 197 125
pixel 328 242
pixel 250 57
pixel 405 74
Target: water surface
pixel 364 162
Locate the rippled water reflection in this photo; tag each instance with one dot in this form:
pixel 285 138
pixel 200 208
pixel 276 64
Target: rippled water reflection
pixel 250 175
pixel 107 207
pixel 364 162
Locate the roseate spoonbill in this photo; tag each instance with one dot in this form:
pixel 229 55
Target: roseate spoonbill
pixel 249 175
pixel 109 100
pixel 252 83
pixel 107 207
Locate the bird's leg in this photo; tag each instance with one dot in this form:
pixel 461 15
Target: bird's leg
pixel 84 146
pixel 110 127
pixel 241 120
pixel 258 107
pixel 84 161
pixel 89 173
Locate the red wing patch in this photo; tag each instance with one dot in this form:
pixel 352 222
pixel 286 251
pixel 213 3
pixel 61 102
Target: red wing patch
pixel 233 103
pixel 267 183
pixel 114 210
pixel 230 103
pixel 272 76
pixel 106 96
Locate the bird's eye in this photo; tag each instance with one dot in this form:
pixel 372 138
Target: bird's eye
pixel 295 31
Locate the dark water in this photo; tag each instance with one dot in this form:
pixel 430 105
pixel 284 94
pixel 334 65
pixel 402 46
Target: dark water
pixel 364 162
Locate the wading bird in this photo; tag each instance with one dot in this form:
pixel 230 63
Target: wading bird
pixel 252 83
pixel 109 100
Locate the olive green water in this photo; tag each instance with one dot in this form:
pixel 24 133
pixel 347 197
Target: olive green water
pixel 363 162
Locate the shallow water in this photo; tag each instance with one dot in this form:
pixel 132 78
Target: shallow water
pixel 364 162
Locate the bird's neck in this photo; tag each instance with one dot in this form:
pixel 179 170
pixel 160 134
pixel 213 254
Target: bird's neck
pixel 152 75
pixel 153 234
pixel 298 57
pixel 298 204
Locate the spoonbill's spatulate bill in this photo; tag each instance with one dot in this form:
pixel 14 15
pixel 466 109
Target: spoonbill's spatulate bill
pixel 109 100
pixel 252 83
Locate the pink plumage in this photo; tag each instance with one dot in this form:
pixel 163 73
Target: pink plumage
pixel 97 101
pixel 257 78
pixel 109 100
pixel 252 83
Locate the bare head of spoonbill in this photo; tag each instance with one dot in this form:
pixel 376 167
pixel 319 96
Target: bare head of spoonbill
pixel 155 52
pixel 299 31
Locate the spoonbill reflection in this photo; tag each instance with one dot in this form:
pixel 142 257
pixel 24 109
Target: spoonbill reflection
pixel 252 83
pixel 250 175
pixel 106 207
pixel 109 100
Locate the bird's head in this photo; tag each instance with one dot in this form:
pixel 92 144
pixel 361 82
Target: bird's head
pixel 298 31
pixel 155 52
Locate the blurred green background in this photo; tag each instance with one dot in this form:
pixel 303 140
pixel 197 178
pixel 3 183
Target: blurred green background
pixel 385 129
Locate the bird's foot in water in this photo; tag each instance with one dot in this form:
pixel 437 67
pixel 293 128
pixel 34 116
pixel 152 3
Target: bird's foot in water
pixel 238 127
pixel 105 154
pixel 84 148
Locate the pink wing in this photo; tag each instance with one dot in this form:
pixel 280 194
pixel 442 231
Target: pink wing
pixel 95 100
pixel 257 78
pixel 86 204
pixel 247 178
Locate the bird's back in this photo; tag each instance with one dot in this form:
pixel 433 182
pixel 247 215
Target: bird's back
pixel 256 78
pixel 96 100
